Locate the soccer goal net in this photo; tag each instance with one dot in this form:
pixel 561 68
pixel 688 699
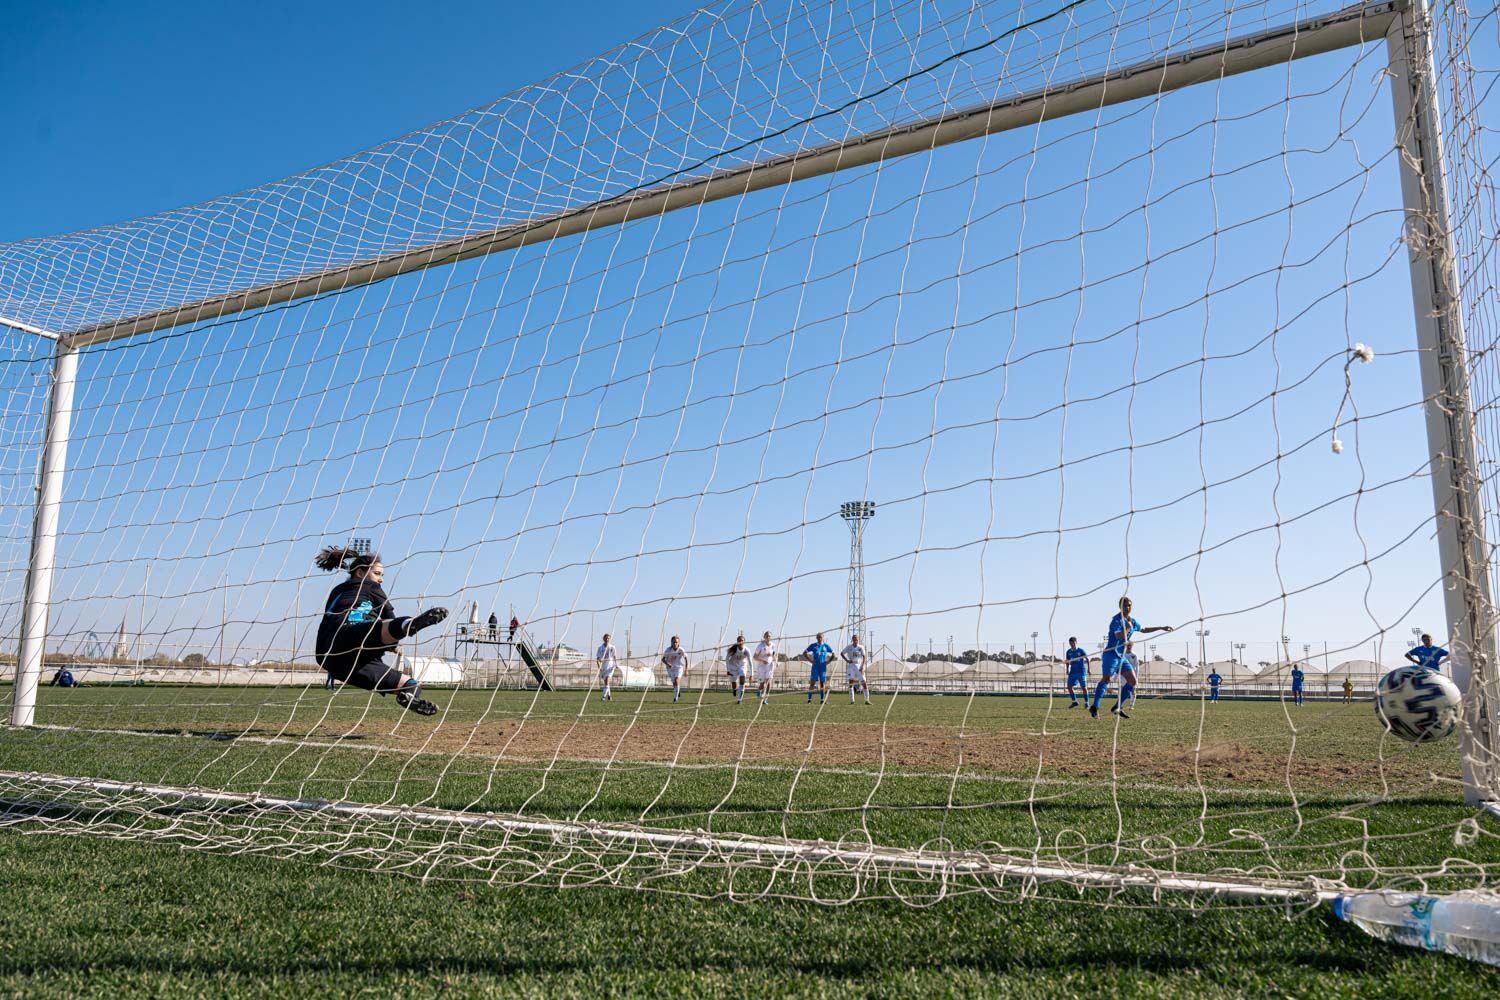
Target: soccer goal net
pixel 943 324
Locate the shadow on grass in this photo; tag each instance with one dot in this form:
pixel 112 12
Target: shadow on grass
pixel 1194 955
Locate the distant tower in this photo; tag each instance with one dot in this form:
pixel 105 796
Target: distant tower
pixel 122 645
pixel 856 513
pixel 360 545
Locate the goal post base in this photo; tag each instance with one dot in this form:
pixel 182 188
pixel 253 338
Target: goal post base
pixel 144 800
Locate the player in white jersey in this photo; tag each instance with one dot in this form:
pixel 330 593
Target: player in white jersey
pixel 674 658
pixel 736 661
pixel 765 667
pixel 605 658
pixel 853 656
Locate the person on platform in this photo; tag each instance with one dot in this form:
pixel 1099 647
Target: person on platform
pixel 359 626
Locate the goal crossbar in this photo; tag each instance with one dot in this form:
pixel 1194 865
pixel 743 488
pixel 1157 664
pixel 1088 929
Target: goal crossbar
pixel 1354 25
pixel 944 864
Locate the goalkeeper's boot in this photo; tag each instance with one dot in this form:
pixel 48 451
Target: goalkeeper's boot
pixel 410 698
pixel 404 627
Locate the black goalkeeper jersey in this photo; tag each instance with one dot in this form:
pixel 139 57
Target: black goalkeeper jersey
pixel 351 622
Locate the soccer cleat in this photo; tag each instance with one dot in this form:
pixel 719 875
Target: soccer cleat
pixel 413 702
pixel 426 619
pixel 1072 704
pixel 1094 711
pixel 1117 710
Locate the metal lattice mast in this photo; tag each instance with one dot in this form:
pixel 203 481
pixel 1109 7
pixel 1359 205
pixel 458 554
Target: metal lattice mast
pixel 855 514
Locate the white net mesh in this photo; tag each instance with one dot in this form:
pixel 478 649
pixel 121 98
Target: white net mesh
pixel 1072 357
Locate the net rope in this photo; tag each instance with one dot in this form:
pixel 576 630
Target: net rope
pixel 1102 353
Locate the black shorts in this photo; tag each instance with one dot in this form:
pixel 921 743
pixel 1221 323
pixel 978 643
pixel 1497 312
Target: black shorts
pixel 355 658
pixel 372 675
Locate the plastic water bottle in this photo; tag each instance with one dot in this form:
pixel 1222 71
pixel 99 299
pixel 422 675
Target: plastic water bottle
pixel 1466 923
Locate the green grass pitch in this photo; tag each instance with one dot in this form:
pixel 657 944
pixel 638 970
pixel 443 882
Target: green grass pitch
pixel 192 906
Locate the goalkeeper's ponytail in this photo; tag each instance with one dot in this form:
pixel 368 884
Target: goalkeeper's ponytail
pixel 342 557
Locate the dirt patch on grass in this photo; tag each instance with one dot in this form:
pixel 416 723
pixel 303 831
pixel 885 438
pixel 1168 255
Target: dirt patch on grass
pixel 923 748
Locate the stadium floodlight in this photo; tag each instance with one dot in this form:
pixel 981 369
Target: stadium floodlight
pixel 856 514
pixel 608 346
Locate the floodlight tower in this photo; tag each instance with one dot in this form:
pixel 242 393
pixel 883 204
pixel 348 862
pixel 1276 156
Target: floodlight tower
pixel 856 513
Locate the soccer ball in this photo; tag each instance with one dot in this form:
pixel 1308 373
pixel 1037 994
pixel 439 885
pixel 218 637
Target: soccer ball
pixel 1417 704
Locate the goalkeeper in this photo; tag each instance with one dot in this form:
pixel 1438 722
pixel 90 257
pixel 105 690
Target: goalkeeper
pixel 359 627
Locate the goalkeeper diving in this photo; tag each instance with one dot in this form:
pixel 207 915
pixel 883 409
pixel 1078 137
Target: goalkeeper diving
pixel 359 626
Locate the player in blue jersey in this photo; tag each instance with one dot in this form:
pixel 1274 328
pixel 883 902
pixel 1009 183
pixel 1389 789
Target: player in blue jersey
pixel 1078 672
pixel 1427 655
pixel 1298 679
pixel 819 653
pixel 1214 680
pixel 1115 659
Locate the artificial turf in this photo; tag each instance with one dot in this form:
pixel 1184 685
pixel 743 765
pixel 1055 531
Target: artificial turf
pixel 269 903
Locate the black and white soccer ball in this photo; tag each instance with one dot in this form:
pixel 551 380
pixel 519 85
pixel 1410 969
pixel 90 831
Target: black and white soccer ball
pixel 1417 704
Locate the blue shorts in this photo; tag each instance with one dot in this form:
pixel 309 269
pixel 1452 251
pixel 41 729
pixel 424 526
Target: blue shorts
pixel 1078 676
pixel 1109 663
pixel 819 674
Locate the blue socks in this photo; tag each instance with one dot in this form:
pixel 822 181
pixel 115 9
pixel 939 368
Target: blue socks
pixel 1099 692
pixel 1126 690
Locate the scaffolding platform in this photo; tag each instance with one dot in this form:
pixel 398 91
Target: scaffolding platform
pixel 500 636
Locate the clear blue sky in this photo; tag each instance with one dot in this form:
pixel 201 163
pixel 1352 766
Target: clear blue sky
pixel 498 408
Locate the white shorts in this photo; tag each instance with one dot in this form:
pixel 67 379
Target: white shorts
pixel 674 673
pixel 764 671
pixel 605 673
pixel 735 671
pixel 856 676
